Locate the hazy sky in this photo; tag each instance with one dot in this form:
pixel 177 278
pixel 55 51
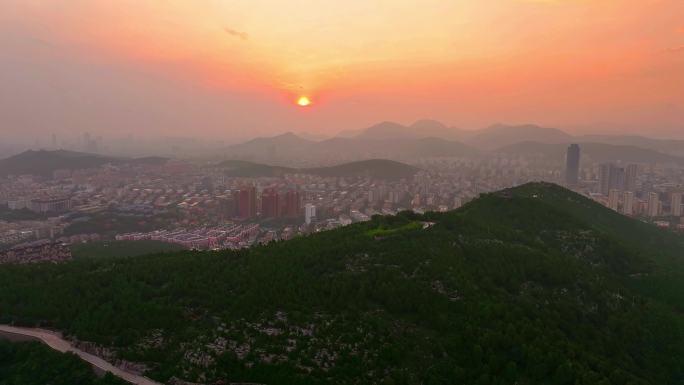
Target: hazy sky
pixel 236 68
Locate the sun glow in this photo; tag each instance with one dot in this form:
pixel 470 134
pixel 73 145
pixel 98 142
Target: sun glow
pixel 303 101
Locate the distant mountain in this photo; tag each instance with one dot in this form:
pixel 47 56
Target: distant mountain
pixel 598 152
pixel 285 146
pixel 289 148
pixel 246 169
pixel 44 162
pixel 312 136
pixel 374 168
pixel 430 138
pixel 386 130
pixel 436 129
pixel 424 128
pixel 503 135
pixel 668 146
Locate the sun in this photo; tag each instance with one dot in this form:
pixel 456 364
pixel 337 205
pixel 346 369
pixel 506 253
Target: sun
pixel 303 101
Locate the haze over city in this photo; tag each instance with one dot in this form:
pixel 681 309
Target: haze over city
pixel 359 192
pixel 232 70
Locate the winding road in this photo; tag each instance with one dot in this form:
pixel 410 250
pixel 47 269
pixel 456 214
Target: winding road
pixel 55 341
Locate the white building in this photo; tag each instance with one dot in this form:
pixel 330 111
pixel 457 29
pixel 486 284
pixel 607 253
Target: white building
pixel 613 199
pixel 309 213
pixel 653 204
pixel 676 204
pixel 628 203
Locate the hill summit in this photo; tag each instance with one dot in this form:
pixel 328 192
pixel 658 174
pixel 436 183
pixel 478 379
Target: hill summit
pixel 372 168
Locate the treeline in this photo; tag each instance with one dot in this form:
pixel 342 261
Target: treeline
pixel 32 363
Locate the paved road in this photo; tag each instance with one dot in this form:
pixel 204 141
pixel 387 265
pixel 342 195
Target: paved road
pixel 55 341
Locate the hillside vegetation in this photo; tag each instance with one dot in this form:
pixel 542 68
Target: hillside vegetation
pixel 530 285
pixel 31 363
pixel 107 249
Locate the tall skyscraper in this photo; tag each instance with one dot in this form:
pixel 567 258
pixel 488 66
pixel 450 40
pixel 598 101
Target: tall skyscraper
pixel 245 200
pixel 613 199
pixel 676 204
pixel 292 204
pixel 631 177
pixel 572 165
pixel 226 206
pixel 604 178
pixel 653 204
pixel 628 203
pixel 610 177
pixel 309 213
pixel 269 203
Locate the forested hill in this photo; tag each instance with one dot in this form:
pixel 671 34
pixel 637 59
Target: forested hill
pixel 526 286
pixel 371 168
pixel 45 162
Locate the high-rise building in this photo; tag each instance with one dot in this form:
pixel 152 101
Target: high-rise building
pixel 245 201
pixel 653 204
pixel 309 213
pixel 226 206
pixel 676 204
pixel 631 177
pixel 613 199
pixel 628 203
pixel 395 196
pixel 610 177
pixel 572 165
pixel 269 203
pixel 292 204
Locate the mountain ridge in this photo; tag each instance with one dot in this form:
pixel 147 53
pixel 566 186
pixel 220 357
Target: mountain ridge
pixel 501 135
pixel 372 168
pixel 45 162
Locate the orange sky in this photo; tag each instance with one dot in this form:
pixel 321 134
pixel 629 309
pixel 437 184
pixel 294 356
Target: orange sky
pixel 236 68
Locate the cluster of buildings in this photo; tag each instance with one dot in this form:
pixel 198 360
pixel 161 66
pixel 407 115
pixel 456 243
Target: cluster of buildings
pixel 40 251
pixel 243 204
pixel 42 205
pixel 217 238
pixel 640 190
pixel 198 206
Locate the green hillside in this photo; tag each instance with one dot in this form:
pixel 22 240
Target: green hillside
pixel 533 285
pixel 31 363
